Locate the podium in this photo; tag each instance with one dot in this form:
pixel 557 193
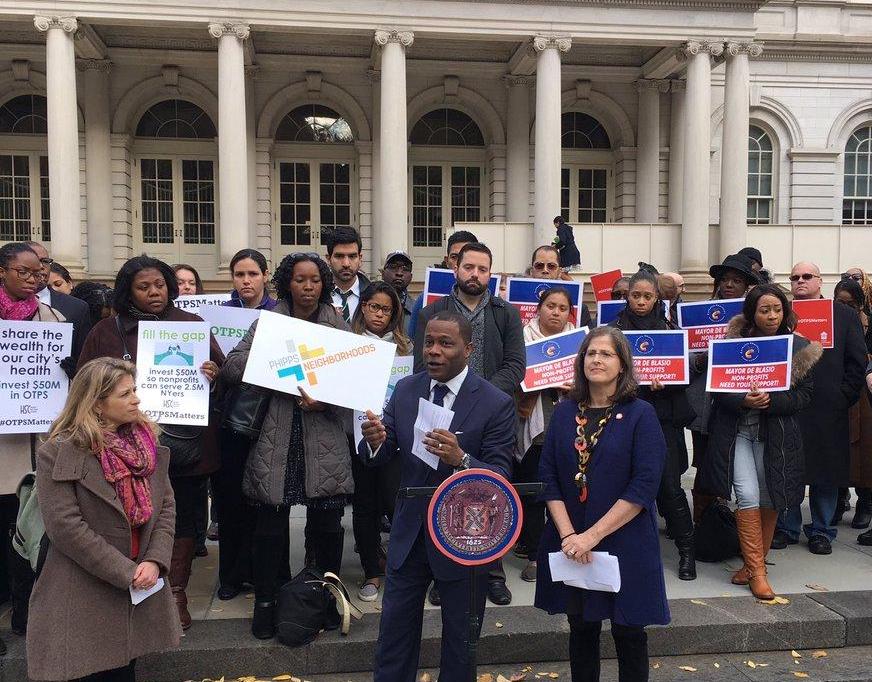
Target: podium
pixel 474 518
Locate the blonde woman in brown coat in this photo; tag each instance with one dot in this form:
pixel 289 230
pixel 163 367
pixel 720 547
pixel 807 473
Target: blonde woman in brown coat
pixel 109 515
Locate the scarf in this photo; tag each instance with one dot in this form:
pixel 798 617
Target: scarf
pixel 140 315
pixel 129 458
pixel 11 309
pixel 476 319
pixel 629 321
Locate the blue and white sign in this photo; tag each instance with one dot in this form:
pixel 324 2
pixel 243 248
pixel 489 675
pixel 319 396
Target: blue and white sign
pixel 524 293
pixel 660 355
pixel 740 365
pixel 551 361
pixel 707 320
pixel 439 282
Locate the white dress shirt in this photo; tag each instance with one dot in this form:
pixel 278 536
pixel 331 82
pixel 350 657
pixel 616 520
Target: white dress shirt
pixel 44 295
pixel 353 299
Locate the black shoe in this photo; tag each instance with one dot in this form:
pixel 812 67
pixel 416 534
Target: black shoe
pixel 781 539
pixel 686 563
pixel 842 507
pixel 520 550
pixel 434 596
pixel 228 592
pixel 862 516
pixel 819 544
pixel 865 539
pixel 263 625
pixel 201 551
pixel 498 593
pixel 384 524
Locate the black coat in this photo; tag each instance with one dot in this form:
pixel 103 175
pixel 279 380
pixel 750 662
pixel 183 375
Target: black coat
pixel 839 378
pixel 75 311
pixel 505 355
pixel 569 254
pixel 779 429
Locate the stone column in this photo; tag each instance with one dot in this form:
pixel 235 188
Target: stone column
pixel 676 150
pixel 518 149
pixel 648 153
pixel 695 200
pixel 233 232
pixel 63 141
pixel 548 151
pixel 251 152
pixel 98 165
pixel 393 141
pixel 734 148
pixel 374 77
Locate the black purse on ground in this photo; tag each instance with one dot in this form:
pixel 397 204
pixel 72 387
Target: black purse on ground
pixel 183 442
pixel 245 408
pixel 716 536
pixel 310 602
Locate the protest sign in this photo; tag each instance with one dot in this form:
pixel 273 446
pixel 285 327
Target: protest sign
pixel 169 382
pixel 815 320
pixel 524 294
pixel 551 361
pixel 191 303
pixel 707 320
pixel 608 311
pixel 602 284
pixel 330 365
pixel 736 364
pixel 439 282
pixel 403 367
pixel 33 387
pixel 228 324
pixel 660 355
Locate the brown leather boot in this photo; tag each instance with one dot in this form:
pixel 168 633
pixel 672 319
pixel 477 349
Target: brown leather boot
pixel 768 521
pixel 180 573
pixel 749 525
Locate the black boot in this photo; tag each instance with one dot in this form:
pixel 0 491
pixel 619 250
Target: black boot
pixel 680 522
pixel 263 624
pixel 843 505
pixel 328 551
pixel 863 512
pixel 686 557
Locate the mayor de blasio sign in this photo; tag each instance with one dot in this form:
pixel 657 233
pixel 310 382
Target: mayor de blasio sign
pixel 332 366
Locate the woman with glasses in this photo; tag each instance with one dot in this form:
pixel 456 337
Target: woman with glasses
pixel 602 461
pixel 20 277
pixel 302 454
pixel 535 410
pixel 379 316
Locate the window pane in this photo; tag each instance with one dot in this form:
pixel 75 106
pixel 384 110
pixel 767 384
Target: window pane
pixel 24 115
pixel 580 131
pixel 427 206
pixel 156 193
pixel 294 208
pixel 14 198
pixel 314 123
pixel 446 127
pixel 176 118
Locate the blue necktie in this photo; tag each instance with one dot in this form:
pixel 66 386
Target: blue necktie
pixel 439 393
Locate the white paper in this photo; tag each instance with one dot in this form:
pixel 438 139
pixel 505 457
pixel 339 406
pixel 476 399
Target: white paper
pixel 430 417
pixel 192 302
pixel 138 596
pixel 601 574
pixel 228 324
pixel 403 367
pixel 169 382
pixel 33 387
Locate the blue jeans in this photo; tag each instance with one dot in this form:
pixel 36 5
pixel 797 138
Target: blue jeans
pixel 822 499
pixel 749 474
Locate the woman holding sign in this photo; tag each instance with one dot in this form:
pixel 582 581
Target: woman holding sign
pixel 380 316
pixel 302 455
pixel 602 461
pixel 145 289
pixel 644 312
pixel 109 515
pixel 19 276
pixel 534 415
pixel 755 445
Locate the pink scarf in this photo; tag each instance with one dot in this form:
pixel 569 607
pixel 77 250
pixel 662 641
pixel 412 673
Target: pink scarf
pixel 128 459
pixel 11 309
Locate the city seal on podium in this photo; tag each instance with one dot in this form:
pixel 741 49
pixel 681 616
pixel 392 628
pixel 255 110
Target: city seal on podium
pixel 474 517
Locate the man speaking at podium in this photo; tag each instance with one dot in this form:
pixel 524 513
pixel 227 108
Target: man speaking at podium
pixel 482 435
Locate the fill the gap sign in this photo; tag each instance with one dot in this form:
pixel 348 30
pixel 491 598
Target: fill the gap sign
pixel 738 365
pixel 707 320
pixel 661 355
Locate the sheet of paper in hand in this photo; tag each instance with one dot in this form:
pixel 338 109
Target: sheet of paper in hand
pixel 429 417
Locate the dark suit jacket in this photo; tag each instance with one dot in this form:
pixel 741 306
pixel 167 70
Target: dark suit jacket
pixel 505 356
pixel 486 418
pixel 75 311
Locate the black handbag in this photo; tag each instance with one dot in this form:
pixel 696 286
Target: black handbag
pixel 310 602
pixel 183 442
pixel 716 536
pixel 245 408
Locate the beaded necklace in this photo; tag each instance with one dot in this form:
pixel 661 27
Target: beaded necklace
pixel 584 449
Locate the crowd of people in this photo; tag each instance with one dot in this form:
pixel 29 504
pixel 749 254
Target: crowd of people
pixel 119 512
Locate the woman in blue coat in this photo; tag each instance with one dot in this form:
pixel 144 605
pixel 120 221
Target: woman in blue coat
pixel 601 465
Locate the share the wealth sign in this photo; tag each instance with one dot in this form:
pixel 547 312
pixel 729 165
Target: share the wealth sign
pixel 330 365
pixel 707 320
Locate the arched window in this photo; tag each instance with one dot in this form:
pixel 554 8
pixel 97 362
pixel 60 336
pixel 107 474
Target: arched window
pixel 580 131
pixel 760 177
pixel 857 200
pixel 176 118
pixel 24 196
pixel 314 123
pixel 176 184
pixel 446 127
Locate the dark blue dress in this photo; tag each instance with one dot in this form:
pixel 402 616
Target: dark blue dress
pixel 627 464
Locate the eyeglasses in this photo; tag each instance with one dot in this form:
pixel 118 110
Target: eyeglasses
pixel 550 267
pixel 617 295
pixel 805 276
pixel 25 274
pixel 46 261
pixel 857 277
pixel 376 308
pixel 398 267
pixel 604 354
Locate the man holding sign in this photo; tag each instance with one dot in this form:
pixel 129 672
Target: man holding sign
pixel 481 435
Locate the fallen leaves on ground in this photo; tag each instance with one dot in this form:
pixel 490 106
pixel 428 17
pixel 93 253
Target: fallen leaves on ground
pixel 717 665
pixel 775 600
pixel 656 665
pixel 518 677
pixel 687 668
pixel 819 654
pixel 700 602
pixel 816 587
pixel 499 625
pixel 795 653
pixel 796 673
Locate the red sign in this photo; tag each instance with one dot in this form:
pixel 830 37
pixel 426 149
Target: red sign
pixel 602 284
pixel 815 320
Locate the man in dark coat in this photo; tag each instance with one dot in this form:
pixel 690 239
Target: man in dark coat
pixel 838 379
pixel 498 352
